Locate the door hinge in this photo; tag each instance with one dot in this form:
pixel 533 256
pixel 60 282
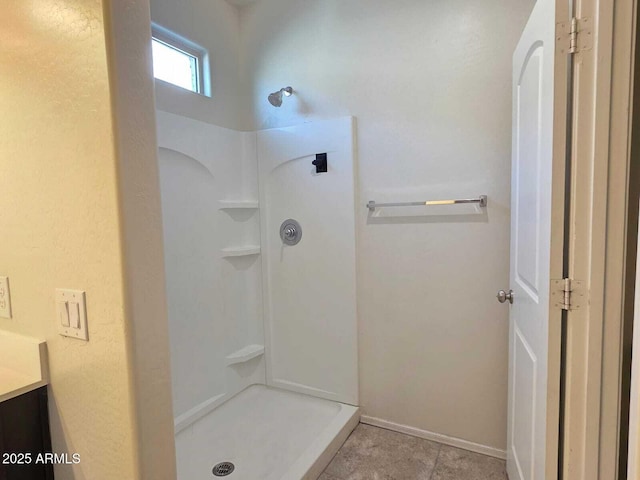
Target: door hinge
pixel 574 36
pixel 567 294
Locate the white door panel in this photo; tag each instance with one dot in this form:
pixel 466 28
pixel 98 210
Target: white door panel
pixel 532 426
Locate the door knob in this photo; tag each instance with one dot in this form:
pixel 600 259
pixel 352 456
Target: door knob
pixel 503 296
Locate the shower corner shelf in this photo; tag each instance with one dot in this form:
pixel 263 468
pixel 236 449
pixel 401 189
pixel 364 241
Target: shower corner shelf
pixel 238 205
pixel 244 251
pixel 244 354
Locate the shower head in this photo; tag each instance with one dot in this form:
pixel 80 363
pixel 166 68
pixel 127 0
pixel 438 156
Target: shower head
pixel 275 98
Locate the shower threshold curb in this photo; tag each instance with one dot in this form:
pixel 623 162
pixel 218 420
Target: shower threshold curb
pixel 320 453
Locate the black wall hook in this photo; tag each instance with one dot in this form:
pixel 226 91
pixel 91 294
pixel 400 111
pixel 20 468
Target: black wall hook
pixel 320 162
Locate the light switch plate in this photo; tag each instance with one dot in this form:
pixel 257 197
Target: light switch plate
pixel 71 303
pixel 5 298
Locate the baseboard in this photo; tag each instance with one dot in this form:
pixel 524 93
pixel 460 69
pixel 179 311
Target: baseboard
pixel 196 413
pixel 436 437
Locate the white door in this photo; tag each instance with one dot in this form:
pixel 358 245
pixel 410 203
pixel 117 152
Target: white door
pixel 633 468
pixel 537 217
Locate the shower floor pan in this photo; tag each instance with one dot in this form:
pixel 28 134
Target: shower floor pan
pixel 268 434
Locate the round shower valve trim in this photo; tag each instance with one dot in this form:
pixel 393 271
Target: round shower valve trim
pixel 290 232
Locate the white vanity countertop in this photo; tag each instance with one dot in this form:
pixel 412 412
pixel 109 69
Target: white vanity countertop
pixel 23 365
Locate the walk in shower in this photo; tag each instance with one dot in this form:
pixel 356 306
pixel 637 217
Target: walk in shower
pixel 259 235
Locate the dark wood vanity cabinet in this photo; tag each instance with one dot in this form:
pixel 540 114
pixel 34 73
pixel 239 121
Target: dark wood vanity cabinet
pixel 24 429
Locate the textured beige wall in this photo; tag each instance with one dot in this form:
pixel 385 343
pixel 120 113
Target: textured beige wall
pixel 430 84
pixel 59 222
pixel 214 25
pixel 130 66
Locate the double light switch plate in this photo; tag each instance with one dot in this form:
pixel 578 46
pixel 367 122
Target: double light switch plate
pixel 72 313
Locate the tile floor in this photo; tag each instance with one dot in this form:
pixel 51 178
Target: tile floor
pixel 372 453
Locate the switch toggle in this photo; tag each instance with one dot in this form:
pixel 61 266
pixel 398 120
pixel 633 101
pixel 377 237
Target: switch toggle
pixel 63 313
pixel 72 313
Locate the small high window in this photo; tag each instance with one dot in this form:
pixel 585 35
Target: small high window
pixel 178 61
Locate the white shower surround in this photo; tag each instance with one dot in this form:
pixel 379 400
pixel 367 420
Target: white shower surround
pixel 268 434
pixel 221 358
pixel 208 187
pixel 310 289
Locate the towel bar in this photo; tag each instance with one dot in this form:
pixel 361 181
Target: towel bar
pixel 481 200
